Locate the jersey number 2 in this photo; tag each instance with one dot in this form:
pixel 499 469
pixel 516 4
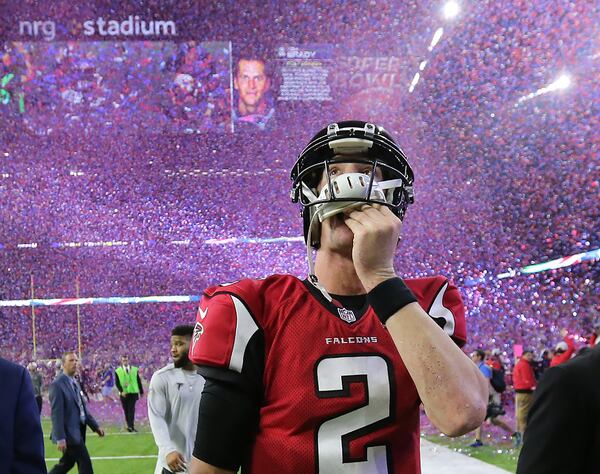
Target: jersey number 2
pixel 333 378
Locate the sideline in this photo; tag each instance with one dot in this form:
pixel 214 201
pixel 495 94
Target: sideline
pixel 103 458
pixel 437 459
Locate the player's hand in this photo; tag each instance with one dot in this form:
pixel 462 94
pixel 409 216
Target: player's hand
pixel 175 461
pixel 61 445
pixel 100 432
pixel 376 231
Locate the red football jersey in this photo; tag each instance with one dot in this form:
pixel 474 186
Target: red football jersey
pixel 337 397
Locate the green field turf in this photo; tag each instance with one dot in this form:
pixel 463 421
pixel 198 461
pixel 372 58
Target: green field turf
pixel 116 443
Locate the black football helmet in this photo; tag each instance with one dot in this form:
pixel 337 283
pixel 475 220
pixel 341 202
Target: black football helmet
pixel 342 142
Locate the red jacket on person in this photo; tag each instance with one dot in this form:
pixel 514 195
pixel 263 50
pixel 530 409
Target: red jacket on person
pixel 523 376
pixel 564 356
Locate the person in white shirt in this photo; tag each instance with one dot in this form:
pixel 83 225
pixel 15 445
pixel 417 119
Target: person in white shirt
pixel 173 400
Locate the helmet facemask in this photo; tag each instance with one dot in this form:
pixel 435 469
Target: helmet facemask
pixel 379 183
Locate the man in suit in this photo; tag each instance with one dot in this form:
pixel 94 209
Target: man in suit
pixel 21 445
pixel 563 427
pixel 70 417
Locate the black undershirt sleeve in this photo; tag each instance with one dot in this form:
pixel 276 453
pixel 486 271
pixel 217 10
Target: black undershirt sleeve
pixel 229 409
pixel 227 424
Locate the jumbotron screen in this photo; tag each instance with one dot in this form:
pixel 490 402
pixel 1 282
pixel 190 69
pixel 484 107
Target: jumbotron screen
pixel 146 151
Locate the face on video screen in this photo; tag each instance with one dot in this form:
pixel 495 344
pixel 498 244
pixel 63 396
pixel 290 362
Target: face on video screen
pixel 252 83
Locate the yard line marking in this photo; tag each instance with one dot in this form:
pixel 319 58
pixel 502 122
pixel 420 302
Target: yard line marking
pixel 129 434
pixel 101 458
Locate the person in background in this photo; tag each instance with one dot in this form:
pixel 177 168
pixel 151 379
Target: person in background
pixel 543 363
pixel 84 379
pixel 21 438
pixel 494 360
pixel 563 428
pixel 524 383
pixel 564 350
pixel 494 408
pixel 496 363
pixel 129 385
pixel 36 381
pixel 173 399
pixel 107 382
pixel 70 417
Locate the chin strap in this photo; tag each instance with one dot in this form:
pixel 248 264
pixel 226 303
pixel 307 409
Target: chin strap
pixel 312 278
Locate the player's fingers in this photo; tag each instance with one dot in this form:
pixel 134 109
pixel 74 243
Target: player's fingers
pixel 378 210
pixel 383 215
pixel 355 226
pixel 371 218
pixel 372 212
pixel 361 215
pixel 362 222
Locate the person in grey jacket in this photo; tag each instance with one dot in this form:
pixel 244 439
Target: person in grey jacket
pixel 173 400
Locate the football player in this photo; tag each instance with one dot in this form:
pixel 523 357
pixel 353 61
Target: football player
pixel 326 375
pixel 173 398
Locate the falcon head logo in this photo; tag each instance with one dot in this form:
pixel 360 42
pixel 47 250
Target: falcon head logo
pixel 198 331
